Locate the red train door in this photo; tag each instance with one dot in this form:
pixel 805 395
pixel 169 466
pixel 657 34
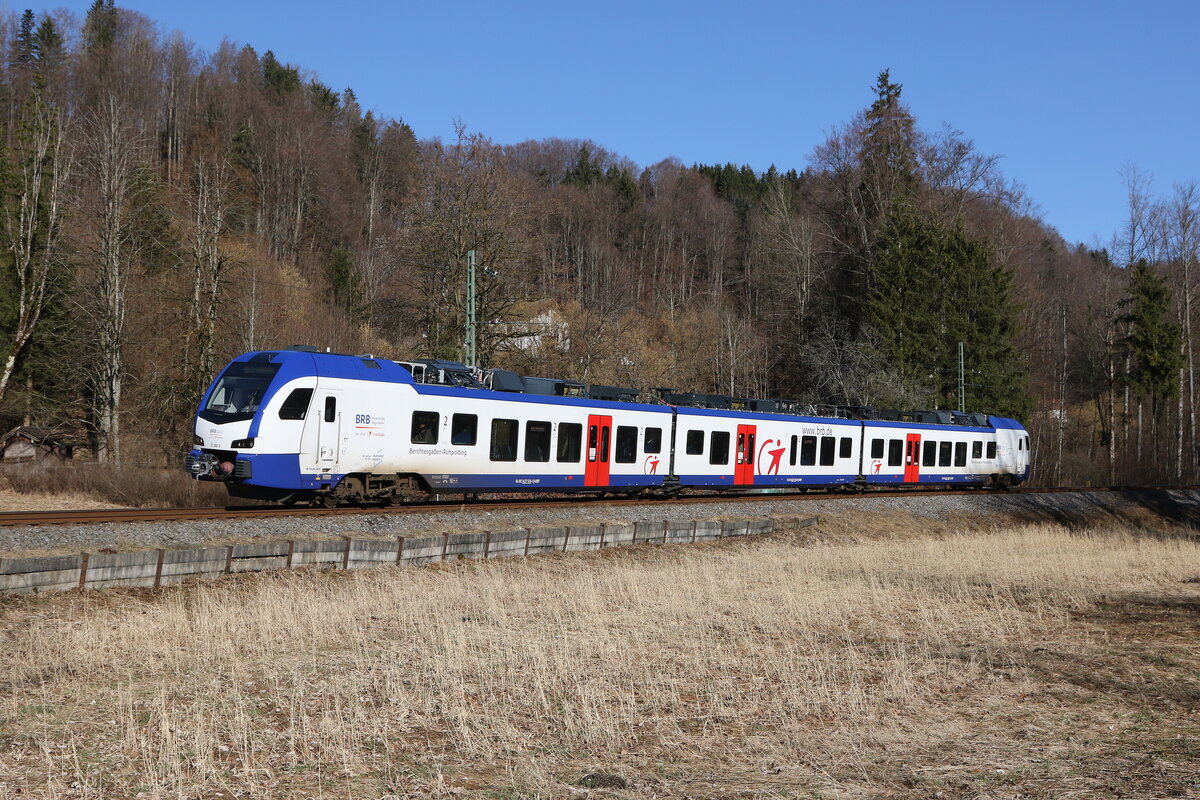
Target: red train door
pixel 743 471
pixel 912 458
pixel 599 433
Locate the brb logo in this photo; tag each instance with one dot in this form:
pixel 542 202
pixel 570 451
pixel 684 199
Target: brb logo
pixel 776 454
pixel 362 419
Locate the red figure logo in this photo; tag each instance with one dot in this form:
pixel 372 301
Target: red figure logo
pixel 776 456
pixel 651 465
pixel 875 465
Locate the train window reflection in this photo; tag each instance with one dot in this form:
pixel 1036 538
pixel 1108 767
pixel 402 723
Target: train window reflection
pixel 537 441
pixel 626 444
pixel 464 429
pixel 828 443
pixel 425 427
pixel 296 404
pixel 808 451
pixel 504 440
pixel 570 438
pixel 718 448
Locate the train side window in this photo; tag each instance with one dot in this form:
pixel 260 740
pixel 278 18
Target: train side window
pixel 895 452
pixel 991 453
pixel 718 448
pixel 330 409
pixel 296 404
pixel 877 448
pixel 960 454
pixel 808 451
pixel 464 429
pixel 976 450
pixel 504 440
pixel 570 437
pixel 653 443
pixel 828 445
pixel 944 454
pixel 537 441
pixel 604 437
pixel 626 444
pixel 1026 442
pixel 593 449
pixel 792 457
pixel 1020 444
pixel 846 447
pixel 930 457
pixel 695 443
pixel 425 427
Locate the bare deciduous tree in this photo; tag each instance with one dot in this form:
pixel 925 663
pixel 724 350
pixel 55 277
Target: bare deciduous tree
pixel 32 224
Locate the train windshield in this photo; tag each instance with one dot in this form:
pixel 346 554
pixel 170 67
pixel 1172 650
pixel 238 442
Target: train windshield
pixel 239 392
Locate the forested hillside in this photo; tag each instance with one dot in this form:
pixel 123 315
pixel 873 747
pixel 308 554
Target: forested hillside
pixel 163 209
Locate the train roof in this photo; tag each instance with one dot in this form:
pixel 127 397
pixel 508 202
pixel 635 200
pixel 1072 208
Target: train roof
pixel 445 373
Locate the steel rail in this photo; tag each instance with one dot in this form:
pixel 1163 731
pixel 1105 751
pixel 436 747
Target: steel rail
pixel 132 515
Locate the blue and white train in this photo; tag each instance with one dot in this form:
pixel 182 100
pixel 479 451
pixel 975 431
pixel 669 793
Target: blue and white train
pixel 300 425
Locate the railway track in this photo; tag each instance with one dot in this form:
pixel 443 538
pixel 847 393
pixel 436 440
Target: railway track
pixel 133 515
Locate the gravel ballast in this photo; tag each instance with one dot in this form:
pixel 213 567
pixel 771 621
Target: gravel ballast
pixel 1179 506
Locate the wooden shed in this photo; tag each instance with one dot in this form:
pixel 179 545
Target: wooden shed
pixel 32 445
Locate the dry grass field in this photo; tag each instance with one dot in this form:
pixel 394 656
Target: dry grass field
pixel 865 659
pixel 43 487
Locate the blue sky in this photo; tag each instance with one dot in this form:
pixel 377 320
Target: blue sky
pixel 1067 93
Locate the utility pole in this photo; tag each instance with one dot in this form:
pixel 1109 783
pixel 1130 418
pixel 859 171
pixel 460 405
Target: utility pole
pixel 962 380
pixel 469 347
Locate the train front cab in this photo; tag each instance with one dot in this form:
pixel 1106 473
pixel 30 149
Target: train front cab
pixel 1014 459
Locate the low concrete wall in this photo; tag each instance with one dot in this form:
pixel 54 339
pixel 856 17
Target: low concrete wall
pixel 164 567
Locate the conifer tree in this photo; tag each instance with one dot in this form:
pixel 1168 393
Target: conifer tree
pixel 25 47
pixel 586 170
pixel 1153 340
pixel 100 26
pixel 934 287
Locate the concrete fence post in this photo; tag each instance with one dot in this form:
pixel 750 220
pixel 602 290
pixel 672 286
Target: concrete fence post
pixel 399 549
pixel 566 538
pixel 487 545
pixel 291 552
pixel 603 534
pixel 158 568
pixel 346 553
pixel 665 524
pixel 83 567
pixel 228 559
pixel 528 535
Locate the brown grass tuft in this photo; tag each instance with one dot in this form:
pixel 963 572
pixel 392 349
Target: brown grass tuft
pixel 105 486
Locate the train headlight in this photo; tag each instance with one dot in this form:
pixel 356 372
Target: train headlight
pixel 197 440
pixel 243 444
